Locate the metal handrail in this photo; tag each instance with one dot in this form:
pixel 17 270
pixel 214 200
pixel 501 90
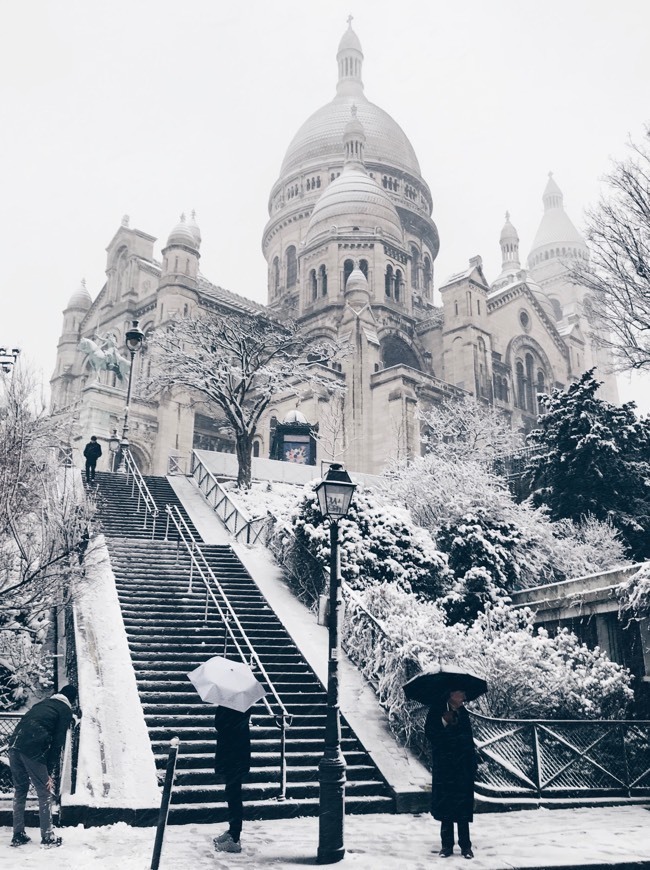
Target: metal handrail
pixel 197 560
pixel 144 496
pixel 235 519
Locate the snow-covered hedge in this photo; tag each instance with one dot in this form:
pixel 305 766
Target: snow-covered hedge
pixel 379 543
pixel 529 673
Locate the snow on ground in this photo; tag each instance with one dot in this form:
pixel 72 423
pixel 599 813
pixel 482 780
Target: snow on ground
pixel 526 839
pixel 116 763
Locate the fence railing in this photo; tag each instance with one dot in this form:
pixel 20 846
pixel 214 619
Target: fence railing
pixel 145 499
pixel 246 529
pixel 8 722
pixel 228 615
pixel 521 758
pixel 544 758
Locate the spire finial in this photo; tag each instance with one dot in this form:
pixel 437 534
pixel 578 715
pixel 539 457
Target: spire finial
pixel 193 215
pixel 550 175
pixel 507 215
pixel 183 217
pixel 125 220
pixel 350 19
pixel 83 283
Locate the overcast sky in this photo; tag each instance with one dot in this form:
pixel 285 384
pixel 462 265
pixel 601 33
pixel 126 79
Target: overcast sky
pixel 152 107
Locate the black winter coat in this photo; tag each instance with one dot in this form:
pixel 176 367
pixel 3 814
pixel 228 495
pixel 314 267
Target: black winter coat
pixel 93 451
pixel 453 764
pixel 40 734
pixel 232 760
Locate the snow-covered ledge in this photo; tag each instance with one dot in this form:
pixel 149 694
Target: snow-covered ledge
pixel 116 774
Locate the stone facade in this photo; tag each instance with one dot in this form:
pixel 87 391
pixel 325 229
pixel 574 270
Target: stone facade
pixel 351 246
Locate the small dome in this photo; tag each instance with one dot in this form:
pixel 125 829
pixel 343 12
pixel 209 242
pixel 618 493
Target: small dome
pixel 295 417
pixel 508 233
pixel 556 235
pixel 81 297
pixel 354 200
pixel 194 227
pixel 349 40
pixel 182 235
pixel 356 287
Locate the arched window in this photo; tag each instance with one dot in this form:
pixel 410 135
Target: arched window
pixel 415 267
pixel 348 266
pixel 292 266
pixel 313 283
pixel 276 276
pixel 541 384
pixel 388 281
pixel 256 448
pixel 398 284
pixel 363 265
pixel 504 390
pixel 427 276
pixel 521 386
pixel 322 273
pixel 530 398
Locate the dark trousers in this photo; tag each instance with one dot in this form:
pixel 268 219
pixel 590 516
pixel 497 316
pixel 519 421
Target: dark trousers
pixel 24 769
pixel 447 835
pixel 90 469
pixel 235 808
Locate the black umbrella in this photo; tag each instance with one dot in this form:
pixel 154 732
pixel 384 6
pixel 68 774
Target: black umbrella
pixel 431 686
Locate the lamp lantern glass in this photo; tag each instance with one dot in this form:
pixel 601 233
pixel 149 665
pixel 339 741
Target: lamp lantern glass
pixel 335 492
pixel 114 442
pixel 134 338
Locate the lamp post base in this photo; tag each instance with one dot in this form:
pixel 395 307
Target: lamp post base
pixel 331 810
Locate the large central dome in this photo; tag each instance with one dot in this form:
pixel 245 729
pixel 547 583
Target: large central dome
pixel 318 141
pixel 319 138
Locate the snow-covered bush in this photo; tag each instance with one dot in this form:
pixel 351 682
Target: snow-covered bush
pixel 378 543
pixel 529 673
pixel 442 494
pixel 481 555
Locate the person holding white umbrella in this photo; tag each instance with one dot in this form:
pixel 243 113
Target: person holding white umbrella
pixel 234 688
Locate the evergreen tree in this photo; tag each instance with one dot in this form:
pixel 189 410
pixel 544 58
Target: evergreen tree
pixel 593 458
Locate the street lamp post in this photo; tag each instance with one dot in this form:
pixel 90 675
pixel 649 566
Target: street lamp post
pixel 334 496
pixel 114 447
pixel 134 339
pixel 8 358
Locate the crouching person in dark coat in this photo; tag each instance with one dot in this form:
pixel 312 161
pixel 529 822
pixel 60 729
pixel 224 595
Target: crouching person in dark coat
pixel 454 765
pixel 232 762
pixel 34 752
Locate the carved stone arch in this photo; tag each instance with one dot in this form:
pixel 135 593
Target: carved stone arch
pixel 396 348
pixel 142 457
pixel 518 346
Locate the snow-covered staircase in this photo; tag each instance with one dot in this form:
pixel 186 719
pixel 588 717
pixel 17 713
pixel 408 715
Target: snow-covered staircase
pixel 168 637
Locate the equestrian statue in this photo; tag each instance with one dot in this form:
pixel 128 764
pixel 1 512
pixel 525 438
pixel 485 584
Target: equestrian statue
pixel 104 357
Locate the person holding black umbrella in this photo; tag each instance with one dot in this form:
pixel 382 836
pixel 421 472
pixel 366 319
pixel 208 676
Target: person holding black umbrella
pixel 454 764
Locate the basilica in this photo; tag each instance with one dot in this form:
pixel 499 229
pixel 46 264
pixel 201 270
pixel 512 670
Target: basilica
pixel 351 246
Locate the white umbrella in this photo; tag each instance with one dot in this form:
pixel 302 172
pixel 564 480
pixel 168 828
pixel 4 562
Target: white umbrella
pixel 227 683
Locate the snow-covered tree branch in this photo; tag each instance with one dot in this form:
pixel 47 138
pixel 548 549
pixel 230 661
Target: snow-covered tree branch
pixel 618 274
pixel 238 364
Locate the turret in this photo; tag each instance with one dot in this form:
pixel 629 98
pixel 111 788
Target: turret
pixel 350 62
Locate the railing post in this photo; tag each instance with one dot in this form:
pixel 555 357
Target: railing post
pixel 167 526
pixel 164 805
pixel 283 759
pixel 205 614
pixel 536 761
pixel 626 765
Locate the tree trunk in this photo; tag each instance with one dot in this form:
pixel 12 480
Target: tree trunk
pixel 244 448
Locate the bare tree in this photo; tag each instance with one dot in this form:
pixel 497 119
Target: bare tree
pixel 468 429
pixel 43 528
pixel 618 274
pixel 239 363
